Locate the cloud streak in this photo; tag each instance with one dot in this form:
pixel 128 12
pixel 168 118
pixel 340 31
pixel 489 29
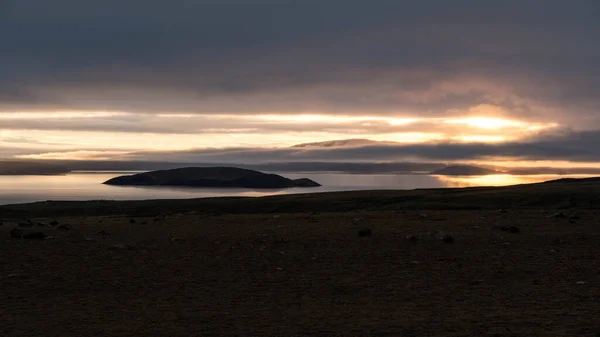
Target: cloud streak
pixel 583 147
pixel 264 124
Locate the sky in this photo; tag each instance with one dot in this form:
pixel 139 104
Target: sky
pixel 499 81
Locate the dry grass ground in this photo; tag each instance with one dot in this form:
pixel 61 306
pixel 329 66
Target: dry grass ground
pixel 303 274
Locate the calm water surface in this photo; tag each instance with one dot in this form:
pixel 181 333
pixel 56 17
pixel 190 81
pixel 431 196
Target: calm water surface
pixel 88 186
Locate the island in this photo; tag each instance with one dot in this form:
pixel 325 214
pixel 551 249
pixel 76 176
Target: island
pixel 10 167
pixel 464 170
pixel 216 177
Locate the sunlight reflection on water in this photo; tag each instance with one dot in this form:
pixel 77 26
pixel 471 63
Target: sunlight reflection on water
pixel 499 179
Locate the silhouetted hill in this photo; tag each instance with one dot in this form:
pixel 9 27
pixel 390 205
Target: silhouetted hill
pixel 30 168
pixel 463 170
pixel 210 177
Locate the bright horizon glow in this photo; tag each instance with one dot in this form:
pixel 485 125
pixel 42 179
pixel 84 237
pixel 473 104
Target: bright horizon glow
pixel 507 162
pixel 498 179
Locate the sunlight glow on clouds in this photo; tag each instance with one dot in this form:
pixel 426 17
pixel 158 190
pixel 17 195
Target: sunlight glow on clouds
pixel 58 115
pixel 481 139
pixel 486 122
pixel 76 155
pixel 476 122
pixel 499 123
pixel 83 135
pixel 410 137
pixel 333 119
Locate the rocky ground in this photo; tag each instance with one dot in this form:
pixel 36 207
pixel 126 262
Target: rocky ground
pixel 415 273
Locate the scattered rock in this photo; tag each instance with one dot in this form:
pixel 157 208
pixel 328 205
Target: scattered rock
pixel 559 241
pixel 503 211
pixel 559 215
pixel 54 223
pixel 282 240
pixel 34 236
pixel 65 228
pixel 510 229
pixel 441 235
pixel 423 215
pixel 412 238
pixel 311 218
pixel 103 233
pixel 121 246
pixel 448 238
pixel 16 233
pixel 365 232
pixel 581 282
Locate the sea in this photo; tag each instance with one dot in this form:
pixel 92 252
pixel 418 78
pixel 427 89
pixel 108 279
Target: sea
pixel 87 185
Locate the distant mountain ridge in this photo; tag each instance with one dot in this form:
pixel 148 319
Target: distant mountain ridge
pixel 12 167
pixel 344 143
pixel 217 177
pixel 464 170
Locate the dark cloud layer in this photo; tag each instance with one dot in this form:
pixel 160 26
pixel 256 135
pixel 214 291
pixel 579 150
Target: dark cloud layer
pixel 568 146
pixel 538 59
